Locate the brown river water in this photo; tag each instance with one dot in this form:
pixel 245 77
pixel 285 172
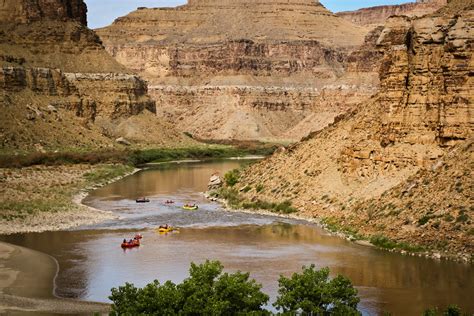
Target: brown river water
pixel 91 261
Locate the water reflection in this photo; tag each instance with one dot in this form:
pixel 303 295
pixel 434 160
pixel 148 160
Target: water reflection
pixel 92 261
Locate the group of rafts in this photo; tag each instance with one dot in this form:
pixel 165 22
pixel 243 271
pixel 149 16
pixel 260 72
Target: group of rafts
pixel 187 206
pixel 163 229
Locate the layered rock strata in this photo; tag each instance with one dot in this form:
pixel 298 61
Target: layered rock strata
pixel 251 63
pixel 421 116
pixel 375 16
pixel 27 11
pixel 49 60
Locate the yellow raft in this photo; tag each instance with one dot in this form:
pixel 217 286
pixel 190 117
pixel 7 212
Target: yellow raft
pixel 166 230
pixel 190 208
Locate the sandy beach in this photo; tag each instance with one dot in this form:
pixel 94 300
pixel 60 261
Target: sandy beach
pixel 27 285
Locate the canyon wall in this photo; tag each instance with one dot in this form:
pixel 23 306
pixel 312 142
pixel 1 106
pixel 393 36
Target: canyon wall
pixel 58 82
pixel 375 16
pixel 26 11
pixel 243 69
pixel 362 171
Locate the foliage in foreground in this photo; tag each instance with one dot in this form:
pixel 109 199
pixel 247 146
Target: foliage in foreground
pixel 208 291
pixel 451 310
pixel 313 292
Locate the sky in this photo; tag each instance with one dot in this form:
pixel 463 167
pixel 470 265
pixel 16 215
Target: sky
pixel 104 12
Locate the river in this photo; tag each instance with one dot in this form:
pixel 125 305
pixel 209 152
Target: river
pixel 91 261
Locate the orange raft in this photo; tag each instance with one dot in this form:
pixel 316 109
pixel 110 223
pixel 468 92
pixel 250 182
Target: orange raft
pixel 132 244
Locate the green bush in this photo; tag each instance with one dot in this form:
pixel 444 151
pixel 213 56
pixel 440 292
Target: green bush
pixel 231 195
pixel 207 291
pixel 259 188
pixel 386 243
pixel 231 178
pixel 283 207
pixel 312 292
pixel 425 219
pixel 382 242
pixel 451 310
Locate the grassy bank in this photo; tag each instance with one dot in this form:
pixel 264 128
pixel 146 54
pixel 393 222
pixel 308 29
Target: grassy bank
pixel 132 157
pixel 47 193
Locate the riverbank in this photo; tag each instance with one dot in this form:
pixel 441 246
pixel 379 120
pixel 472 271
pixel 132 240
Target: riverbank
pixel 43 191
pixel 48 198
pixel 25 276
pixel 348 234
pixel 135 157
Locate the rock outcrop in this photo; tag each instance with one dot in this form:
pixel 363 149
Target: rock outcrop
pixel 49 58
pixel 421 114
pixel 27 11
pixel 242 69
pixel 375 16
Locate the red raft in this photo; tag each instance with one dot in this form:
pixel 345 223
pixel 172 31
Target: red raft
pixel 134 243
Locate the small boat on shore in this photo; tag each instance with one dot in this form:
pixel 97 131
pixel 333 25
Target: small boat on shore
pixel 142 200
pixel 188 207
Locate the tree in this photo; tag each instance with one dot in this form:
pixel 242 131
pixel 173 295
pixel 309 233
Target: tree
pixel 451 310
pixel 206 292
pixel 314 293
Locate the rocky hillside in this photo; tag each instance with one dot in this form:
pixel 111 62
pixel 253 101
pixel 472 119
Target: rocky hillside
pixel 243 69
pixel 375 16
pixel 354 171
pixel 61 88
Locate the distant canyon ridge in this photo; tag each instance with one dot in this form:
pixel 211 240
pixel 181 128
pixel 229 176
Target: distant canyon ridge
pixel 252 70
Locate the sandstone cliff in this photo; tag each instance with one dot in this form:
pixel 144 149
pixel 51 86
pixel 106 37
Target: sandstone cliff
pixel 375 16
pixel 27 11
pixel 422 111
pixel 58 82
pixel 243 69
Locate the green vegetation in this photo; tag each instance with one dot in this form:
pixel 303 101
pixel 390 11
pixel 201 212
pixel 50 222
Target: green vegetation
pixel 283 207
pixel 333 225
pixel 231 195
pixel 231 178
pixel 451 310
pixel 462 218
pixel 314 293
pixel 107 173
pixel 259 188
pixel 386 243
pixel 425 219
pixel 247 188
pixel 132 157
pixel 21 209
pixel 207 291
pixel 56 191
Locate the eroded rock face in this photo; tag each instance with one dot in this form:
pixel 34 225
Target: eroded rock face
pixel 49 58
pixel 115 95
pixel 26 11
pixel 242 69
pixel 421 116
pixel 255 112
pixel 378 15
